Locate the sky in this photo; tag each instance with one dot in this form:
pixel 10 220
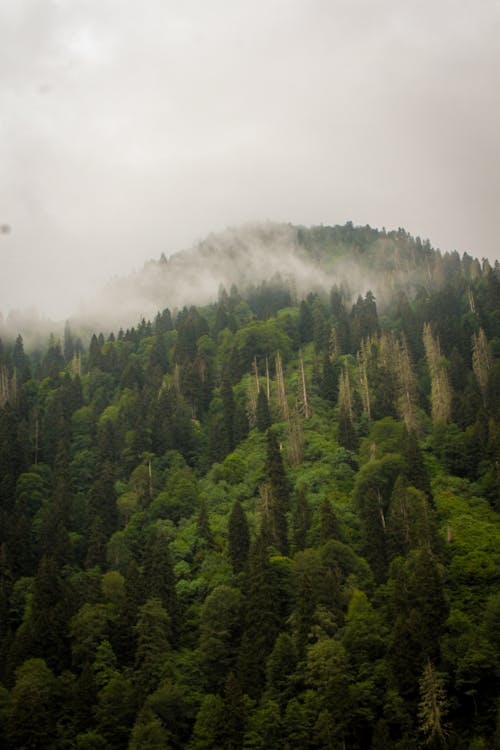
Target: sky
pixel 129 128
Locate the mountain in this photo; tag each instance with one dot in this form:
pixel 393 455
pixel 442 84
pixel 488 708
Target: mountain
pixel 307 259
pixel 265 515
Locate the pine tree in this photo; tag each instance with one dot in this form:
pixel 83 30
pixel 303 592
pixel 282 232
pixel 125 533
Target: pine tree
pixel 262 619
pixel 262 414
pixel 433 706
pixel 303 403
pixel 280 493
pixel 362 359
pixel 152 632
pixel 329 387
pixel 282 399
pixel 229 409
pixel 441 393
pixel 301 521
pixel 158 574
pixel 239 538
pixel 295 440
pixel 407 402
pixel 203 530
pixel 346 433
pixel 329 525
pixel 481 362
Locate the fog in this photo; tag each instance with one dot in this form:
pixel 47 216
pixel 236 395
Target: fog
pixel 130 129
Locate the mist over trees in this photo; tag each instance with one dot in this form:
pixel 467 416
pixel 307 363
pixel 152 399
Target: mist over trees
pixel 267 520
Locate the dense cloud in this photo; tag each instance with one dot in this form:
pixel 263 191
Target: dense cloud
pixel 132 129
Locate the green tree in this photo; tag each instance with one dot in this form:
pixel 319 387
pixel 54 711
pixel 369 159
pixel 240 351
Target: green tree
pixel 262 414
pixel 148 732
pixel 301 521
pixel 115 712
pixel 264 728
pixel 281 665
pixel 208 729
pixel 152 633
pixel 158 573
pixel 432 707
pixel 280 493
pixel 220 631
pixel 239 538
pixel 262 619
pixel 31 720
pixel 329 526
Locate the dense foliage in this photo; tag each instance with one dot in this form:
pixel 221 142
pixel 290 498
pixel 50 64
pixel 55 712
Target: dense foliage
pixel 267 523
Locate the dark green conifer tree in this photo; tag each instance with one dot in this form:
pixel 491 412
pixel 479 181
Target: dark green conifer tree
pixel 239 538
pixel 262 619
pixel 229 409
pixel 305 323
pixel 329 382
pixel 280 493
pixel 301 521
pixel 102 499
pixel 20 361
pixel 329 525
pixel 346 432
pixel 158 574
pixel 415 469
pixel 234 713
pixel 49 616
pixel 262 414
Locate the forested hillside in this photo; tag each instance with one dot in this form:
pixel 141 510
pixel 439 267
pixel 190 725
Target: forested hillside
pixel 269 522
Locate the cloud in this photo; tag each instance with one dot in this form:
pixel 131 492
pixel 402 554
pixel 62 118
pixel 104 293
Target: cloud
pixel 130 129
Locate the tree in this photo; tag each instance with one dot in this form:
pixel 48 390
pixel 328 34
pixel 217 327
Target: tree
pixel 301 521
pixel 407 401
pixel 115 712
pixel 158 574
pixel 346 433
pixel 262 619
pixel 102 500
pixel 482 362
pixel 327 672
pixel 419 610
pixel 372 495
pixel 152 632
pixel 329 526
pixel 148 732
pixel 49 615
pixel 441 393
pixel 31 720
pixel 264 728
pixel 280 493
pixel 228 410
pixel 239 538
pixel 221 623
pixel 208 729
pixel 262 414
pixel 409 524
pixel 281 665
pixel 433 706
pixel 303 401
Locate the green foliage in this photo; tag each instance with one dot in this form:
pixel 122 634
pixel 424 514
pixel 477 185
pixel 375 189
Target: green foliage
pixel 186 562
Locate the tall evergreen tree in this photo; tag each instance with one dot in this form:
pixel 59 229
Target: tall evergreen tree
pixel 262 619
pixel 158 574
pixel 239 538
pixel 280 493
pixel 301 521
pixel 262 414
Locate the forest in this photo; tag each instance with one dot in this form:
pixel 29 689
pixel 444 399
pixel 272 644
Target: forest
pixel 270 522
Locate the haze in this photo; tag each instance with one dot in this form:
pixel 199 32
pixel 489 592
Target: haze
pixel 130 129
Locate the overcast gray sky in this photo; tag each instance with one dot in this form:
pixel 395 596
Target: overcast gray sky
pixel 133 128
